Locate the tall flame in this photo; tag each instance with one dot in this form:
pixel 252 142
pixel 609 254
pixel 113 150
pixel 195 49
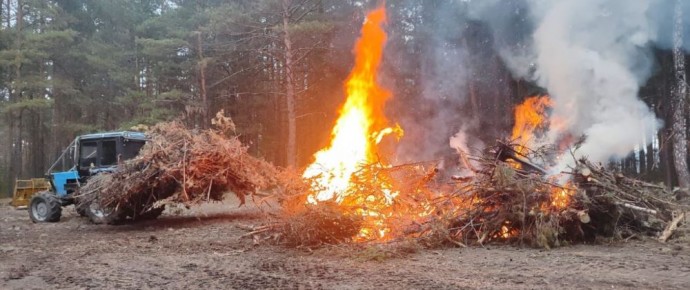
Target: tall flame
pixel 360 125
pixel 529 116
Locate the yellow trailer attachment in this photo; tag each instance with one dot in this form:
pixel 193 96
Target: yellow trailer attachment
pixel 25 189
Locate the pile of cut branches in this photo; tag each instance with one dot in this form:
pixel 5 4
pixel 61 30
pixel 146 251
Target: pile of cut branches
pixel 179 165
pixel 368 210
pixel 512 199
pixel 325 223
pixel 508 198
pixel 626 206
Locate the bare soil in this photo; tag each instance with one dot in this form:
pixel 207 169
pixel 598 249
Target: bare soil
pixel 201 248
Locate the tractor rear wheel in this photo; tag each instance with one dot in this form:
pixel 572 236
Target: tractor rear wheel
pixel 45 207
pixel 103 215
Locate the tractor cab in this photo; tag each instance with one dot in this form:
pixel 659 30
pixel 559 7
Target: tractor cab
pixel 86 156
pixel 102 152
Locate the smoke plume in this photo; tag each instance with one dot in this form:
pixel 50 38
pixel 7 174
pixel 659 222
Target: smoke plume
pixel 591 56
pixel 443 64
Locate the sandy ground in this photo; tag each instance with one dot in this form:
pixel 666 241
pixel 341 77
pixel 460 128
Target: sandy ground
pixel 200 248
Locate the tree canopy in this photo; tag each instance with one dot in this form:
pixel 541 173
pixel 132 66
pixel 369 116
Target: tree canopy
pixel 69 67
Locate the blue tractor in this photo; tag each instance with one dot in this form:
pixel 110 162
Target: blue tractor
pixel 86 156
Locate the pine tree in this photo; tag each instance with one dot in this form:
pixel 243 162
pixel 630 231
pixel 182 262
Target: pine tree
pixel 680 92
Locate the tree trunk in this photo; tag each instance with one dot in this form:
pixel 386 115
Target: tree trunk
pixel 8 138
pixel 9 151
pixel 205 119
pixel 8 10
pixel 16 122
pixel 289 89
pixel 36 146
pixel 680 148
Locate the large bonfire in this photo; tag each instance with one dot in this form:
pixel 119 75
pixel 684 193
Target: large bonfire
pixel 352 194
pixel 359 128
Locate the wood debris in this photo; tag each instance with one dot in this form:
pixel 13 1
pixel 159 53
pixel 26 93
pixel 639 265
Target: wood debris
pixel 508 198
pixel 181 166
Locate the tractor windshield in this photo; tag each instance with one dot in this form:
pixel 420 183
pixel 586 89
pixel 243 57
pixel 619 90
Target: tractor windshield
pixel 87 154
pixel 109 152
pixel 130 148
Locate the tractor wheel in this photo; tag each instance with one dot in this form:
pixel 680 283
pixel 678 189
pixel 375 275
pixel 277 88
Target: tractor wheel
pixel 103 215
pixel 45 207
pixel 151 214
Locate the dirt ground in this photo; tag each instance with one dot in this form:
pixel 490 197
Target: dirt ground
pixel 201 248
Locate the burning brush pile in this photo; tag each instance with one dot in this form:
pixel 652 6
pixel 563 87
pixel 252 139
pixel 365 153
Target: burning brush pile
pixel 178 165
pixel 505 194
pixel 511 199
pixel 506 199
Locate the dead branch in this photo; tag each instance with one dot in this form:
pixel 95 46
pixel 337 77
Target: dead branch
pixel 671 228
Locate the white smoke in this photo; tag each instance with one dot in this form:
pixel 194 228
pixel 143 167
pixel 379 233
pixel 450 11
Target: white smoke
pixel 592 56
pixel 461 143
pixel 443 70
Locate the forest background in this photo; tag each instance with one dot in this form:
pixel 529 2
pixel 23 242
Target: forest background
pixel 277 67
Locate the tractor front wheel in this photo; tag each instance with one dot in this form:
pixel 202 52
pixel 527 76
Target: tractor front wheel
pixel 45 207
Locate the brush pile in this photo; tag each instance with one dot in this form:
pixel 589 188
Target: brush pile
pixel 510 199
pixel 505 199
pixel 327 223
pixel 180 166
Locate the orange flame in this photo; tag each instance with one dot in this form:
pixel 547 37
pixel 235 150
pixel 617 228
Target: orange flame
pixel 560 197
pixel 529 116
pixel 360 126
